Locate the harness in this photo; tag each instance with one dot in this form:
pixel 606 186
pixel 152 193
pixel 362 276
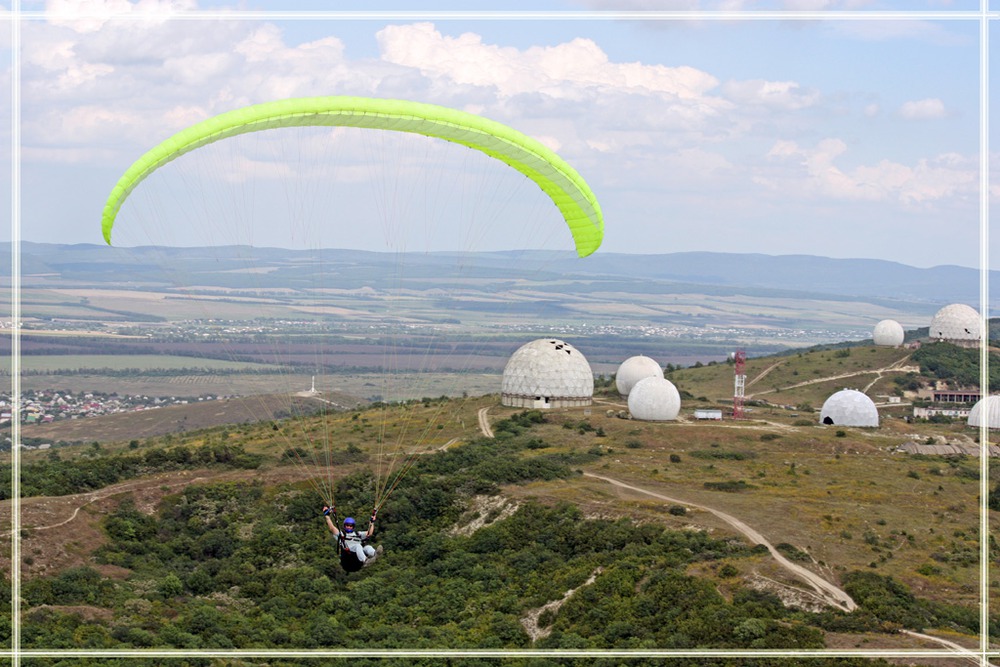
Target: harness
pixel 353 536
pixel 348 559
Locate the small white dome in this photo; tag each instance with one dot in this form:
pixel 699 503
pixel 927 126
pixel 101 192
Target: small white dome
pixel 547 373
pixel 986 410
pixel 634 369
pixel 955 322
pixel 654 399
pixel 888 333
pixel 849 407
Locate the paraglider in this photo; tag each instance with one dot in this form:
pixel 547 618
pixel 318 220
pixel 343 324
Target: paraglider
pixel 566 189
pixel 355 552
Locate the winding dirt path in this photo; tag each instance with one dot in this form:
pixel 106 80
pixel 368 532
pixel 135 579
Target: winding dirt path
pixel 829 593
pixel 825 591
pixel 484 422
pixel 763 373
pixel 894 367
pixel 530 621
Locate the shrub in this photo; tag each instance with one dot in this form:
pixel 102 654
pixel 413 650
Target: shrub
pixel 723 454
pixel 729 486
pixel 728 571
pixel 792 552
pixel 928 570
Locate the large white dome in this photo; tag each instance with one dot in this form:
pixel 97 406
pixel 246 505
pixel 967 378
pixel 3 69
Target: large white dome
pixel 956 322
pixel 654 399
pixel 547 373
pixel 888 333
pixel 986 410
pixel 634 369
pixel 849 407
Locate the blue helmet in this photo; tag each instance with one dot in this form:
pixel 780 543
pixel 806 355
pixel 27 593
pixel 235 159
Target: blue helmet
pixel 349 521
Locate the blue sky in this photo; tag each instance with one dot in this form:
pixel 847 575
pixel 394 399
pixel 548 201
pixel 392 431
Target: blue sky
pixel 844 138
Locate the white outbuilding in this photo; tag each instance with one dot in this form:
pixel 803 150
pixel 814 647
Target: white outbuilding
pixel 986 411
pixel 654 399
pixel 547 373
pixel 956 323
pixel 849 407
pixel 634 369
pixel 888 333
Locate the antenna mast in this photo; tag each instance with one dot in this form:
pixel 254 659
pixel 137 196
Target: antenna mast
pixel 740 360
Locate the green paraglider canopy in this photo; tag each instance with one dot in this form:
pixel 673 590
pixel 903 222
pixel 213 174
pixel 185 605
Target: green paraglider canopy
pixel 552 174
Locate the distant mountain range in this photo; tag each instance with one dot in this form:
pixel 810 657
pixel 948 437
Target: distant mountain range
pixel 843 277
pixel 793 276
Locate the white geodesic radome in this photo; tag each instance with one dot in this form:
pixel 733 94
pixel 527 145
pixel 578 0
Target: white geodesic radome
pixel 654 399
pixel 547 373
pixel 955 323
pixel 888 333
pixel 986 410
pixel 849 407
pixel 634 369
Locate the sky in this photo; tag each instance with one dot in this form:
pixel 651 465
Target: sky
pixel 778 134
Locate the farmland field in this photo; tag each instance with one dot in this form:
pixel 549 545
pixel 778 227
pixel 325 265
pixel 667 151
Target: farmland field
pixel 359 385
pixel 141 362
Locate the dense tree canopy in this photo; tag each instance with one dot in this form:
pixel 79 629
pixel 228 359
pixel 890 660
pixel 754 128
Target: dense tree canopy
pixel 245 565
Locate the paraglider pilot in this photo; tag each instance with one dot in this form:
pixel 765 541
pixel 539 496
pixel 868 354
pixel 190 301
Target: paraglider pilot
pixel 354 547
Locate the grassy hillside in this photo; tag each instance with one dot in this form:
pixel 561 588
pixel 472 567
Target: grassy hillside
pixel 803 377
pixel 840 504
pixel 211 537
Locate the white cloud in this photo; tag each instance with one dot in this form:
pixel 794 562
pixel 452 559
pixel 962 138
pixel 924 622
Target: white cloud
pixel 812 172
pixel 926 109
pixel 82 125
pixel 570 92
pixel 785 95
pixel 146 73
pixel 572 70
pixel 87 16
pixel 698 164
pixel 101 95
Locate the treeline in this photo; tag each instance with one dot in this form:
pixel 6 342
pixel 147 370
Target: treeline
pixel 945 361
pixel 57 477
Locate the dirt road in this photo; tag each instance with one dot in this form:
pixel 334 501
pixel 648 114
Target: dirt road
pixel 826 591
pixel 484 422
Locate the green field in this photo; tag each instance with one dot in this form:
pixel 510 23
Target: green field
pixel 359 385
pixel 142 362
pixel 807 377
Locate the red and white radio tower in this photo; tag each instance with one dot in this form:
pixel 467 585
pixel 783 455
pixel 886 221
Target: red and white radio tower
pixel 740 361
